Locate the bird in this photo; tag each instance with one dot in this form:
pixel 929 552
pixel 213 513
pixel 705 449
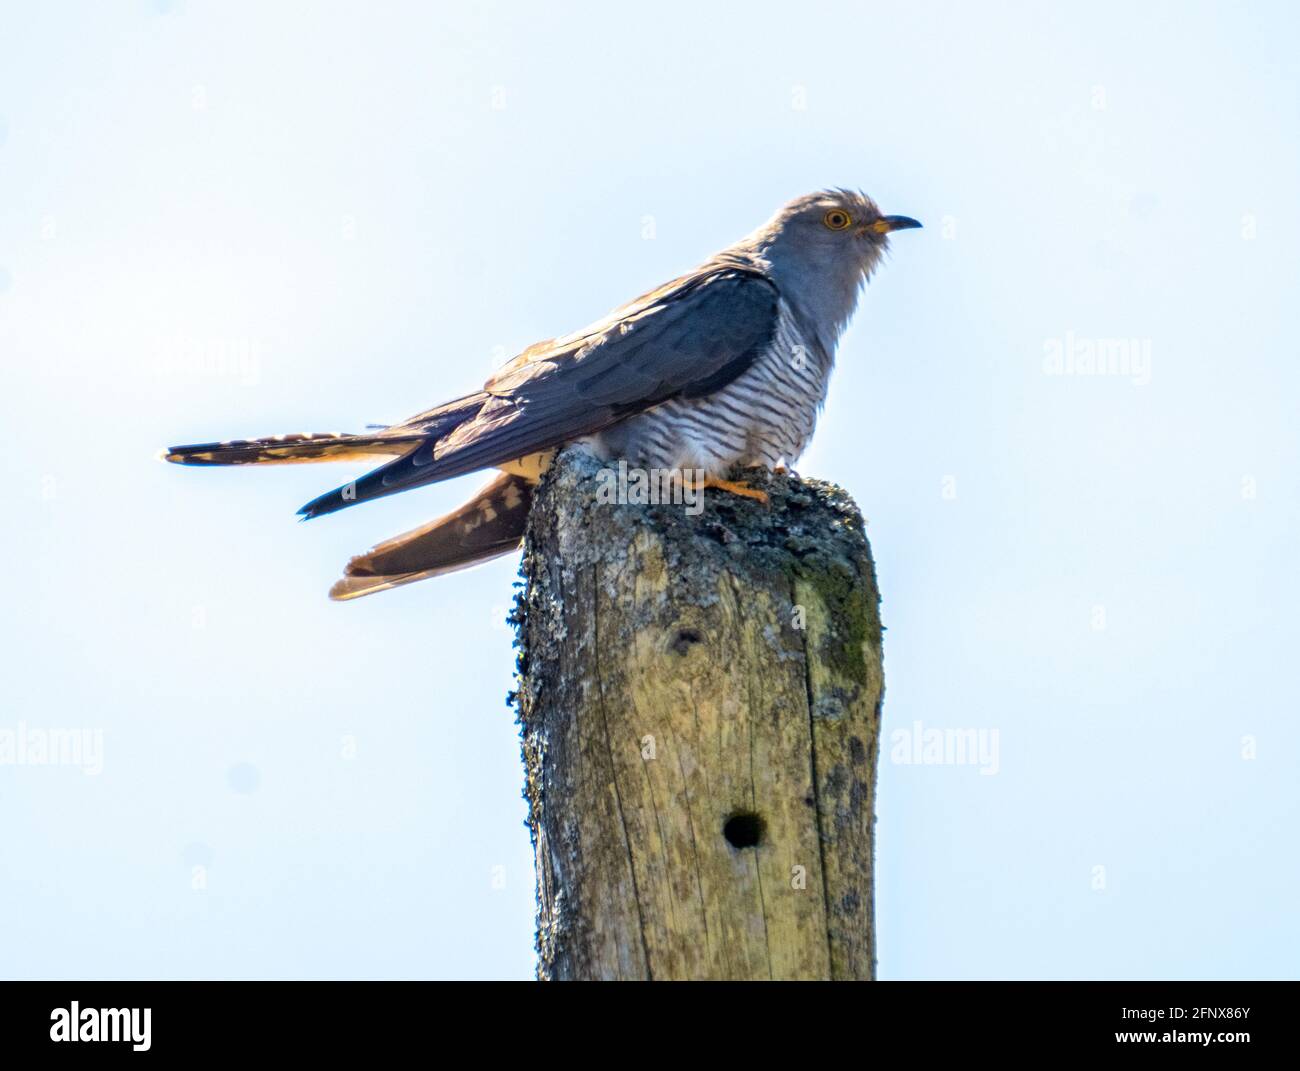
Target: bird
pixel 724 368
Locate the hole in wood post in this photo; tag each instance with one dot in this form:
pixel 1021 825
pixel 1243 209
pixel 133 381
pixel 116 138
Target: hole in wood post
pixel 744 830
pixel 685 639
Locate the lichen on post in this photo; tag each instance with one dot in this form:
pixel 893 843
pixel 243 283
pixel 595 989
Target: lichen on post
pixel 699 696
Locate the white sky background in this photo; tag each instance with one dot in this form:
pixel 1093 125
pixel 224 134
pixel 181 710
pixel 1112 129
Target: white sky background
pixel 375 204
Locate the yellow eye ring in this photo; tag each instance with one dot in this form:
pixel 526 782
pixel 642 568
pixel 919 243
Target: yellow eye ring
pixel 837 219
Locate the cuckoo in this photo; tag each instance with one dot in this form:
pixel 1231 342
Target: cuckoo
pixel 721 369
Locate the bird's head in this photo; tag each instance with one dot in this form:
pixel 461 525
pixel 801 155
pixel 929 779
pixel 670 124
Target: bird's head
pixel 829 228
pixel 822 247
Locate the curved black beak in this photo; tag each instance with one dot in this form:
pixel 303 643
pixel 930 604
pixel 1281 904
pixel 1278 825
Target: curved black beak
pixel 885 224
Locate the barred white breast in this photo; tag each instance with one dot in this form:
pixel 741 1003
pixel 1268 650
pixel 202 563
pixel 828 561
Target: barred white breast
pixel 766 416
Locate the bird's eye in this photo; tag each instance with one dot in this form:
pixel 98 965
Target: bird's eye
pixel 837 219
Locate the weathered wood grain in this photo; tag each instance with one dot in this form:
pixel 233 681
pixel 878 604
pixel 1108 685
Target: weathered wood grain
pixel 678 672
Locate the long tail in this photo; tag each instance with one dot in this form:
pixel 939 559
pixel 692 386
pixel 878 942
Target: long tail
pixel 488 525
pixel 409 446
pixel 293 449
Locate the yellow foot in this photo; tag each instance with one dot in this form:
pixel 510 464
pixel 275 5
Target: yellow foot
pixel 737 487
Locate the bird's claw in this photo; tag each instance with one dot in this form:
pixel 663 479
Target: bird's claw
pixel 737 487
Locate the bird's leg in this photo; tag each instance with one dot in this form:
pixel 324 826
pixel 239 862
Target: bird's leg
pixel 736 487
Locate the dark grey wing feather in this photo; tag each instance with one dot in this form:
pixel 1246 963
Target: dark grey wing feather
pixel 695 341
pixel 690 338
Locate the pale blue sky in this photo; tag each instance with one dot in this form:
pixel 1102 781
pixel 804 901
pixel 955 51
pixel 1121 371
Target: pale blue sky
pixel 220 220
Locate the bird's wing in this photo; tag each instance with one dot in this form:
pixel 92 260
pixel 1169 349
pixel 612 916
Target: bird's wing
pixel 687 339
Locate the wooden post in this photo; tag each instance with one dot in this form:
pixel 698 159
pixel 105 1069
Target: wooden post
pixel 700 704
